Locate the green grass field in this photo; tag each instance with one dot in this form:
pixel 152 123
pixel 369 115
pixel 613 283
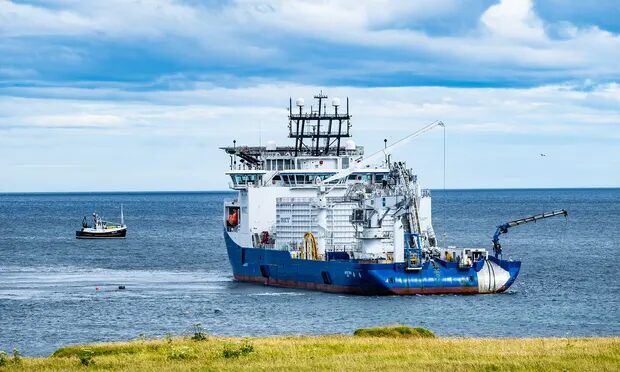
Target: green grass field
pixel 372 349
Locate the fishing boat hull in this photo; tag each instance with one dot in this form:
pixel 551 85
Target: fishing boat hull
pixel 101 234
pixel 277 268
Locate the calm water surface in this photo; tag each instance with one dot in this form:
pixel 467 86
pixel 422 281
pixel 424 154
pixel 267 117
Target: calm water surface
pixel 174 266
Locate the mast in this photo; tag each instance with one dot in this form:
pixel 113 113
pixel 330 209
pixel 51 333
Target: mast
pixel 318 97
pixel 307 125
pixel 122 217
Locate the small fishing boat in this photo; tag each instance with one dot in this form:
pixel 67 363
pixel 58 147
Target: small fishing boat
pixel 101 228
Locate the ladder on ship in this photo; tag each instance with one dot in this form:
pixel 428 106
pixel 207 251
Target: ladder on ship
pixel 410 220
pixel 413 251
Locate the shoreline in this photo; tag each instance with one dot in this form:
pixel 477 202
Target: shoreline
pixel 382 348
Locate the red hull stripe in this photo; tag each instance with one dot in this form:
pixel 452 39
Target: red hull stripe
pixel 356 290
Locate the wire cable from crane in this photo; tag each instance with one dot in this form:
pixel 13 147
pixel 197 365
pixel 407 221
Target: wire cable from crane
pixel 564 232
pixel 445 196
pixel 362 163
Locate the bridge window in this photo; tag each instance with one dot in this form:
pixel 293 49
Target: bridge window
pixel 244 179
pixel 304 179
pixel 369 177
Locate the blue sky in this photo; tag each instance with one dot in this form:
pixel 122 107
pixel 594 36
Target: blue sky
pixel 138 95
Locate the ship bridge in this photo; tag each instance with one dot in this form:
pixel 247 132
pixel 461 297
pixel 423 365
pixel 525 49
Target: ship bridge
pixel 322 148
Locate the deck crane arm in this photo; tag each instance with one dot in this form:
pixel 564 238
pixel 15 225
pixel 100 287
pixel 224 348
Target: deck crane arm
pixel 381 154
pixel 503 229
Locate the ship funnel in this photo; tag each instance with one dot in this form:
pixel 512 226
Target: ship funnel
pixel 299 102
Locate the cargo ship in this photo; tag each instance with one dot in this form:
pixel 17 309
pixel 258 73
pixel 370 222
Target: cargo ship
pixel 320 215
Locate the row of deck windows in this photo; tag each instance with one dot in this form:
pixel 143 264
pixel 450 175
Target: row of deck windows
pixel 307 179
pixel 244 179
pixel 279 164
pixel 369 177
pixel 303 179
pixel 284 164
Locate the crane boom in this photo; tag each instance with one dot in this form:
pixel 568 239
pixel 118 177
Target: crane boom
pixel 382 153
pixel 503 229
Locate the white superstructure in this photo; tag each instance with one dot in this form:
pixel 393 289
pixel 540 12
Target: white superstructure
pixel 325 186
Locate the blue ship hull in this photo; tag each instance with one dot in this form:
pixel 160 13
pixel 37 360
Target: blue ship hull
pixel 277 268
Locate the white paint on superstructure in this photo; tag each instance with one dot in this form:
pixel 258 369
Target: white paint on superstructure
pixel 425 214
pixel 399 241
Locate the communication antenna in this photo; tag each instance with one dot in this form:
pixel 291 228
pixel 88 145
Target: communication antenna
pixel 235 151
pixel 387 162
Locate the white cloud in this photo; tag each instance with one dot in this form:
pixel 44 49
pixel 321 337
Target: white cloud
pixel 567 107
pixel 509 41
pixel 336 19
pixel 170 139
pixel 25 20
pixel 510 33
pixel 514 19
pixel 109 18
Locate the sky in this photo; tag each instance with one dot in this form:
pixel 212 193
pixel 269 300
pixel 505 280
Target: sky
pixel 139 95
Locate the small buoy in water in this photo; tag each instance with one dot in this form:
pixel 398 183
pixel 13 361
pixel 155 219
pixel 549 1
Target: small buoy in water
pixel 121 287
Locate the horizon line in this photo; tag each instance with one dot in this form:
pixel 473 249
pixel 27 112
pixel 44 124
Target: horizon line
pixel 232 191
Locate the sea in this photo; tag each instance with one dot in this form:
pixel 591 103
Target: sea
pixel 56 290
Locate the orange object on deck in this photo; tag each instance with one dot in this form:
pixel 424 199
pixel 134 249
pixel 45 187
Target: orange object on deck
pixel 233 218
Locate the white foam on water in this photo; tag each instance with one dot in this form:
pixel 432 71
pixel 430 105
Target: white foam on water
pixel 277 294
pixel 63 282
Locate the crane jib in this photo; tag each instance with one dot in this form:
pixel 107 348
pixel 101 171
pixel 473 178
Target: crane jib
pixel 503 229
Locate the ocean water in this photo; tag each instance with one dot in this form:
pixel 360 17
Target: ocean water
pixel 175 269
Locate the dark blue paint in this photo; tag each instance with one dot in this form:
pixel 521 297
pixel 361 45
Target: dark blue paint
pixel 248 264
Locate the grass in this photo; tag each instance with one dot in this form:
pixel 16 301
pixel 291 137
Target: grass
pixel 394 331
pixel 392 348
